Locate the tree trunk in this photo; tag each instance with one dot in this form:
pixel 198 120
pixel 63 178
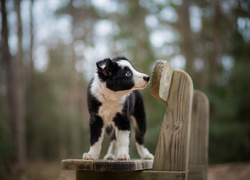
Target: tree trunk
pixel 73 95
pixel 185 30
pixel 216 38
pixel 21 104
pixel 10 76
pixel 31 67
pixel 203 76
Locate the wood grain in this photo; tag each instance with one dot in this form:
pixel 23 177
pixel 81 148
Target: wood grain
pixel 76 164
pixel 199 130
pixel 199 135
pixel 106 165
pixel 172 151
pixel 130 165
pixel 161 80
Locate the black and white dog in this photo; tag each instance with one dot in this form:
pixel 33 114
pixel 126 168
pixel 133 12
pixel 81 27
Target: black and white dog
pixel 114 101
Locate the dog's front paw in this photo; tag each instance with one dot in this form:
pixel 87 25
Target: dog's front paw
pixel 148 156
pixel 88 156
pixel 123 157
pixel 109 157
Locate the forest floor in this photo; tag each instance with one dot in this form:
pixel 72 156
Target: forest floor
pixel 230 171
pixel 51 171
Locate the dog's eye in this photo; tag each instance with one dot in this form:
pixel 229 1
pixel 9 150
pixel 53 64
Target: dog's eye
pixel 128 73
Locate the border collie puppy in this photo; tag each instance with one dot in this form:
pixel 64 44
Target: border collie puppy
pixel 114 100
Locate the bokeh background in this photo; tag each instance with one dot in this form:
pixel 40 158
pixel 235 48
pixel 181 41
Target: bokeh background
pixel 48 55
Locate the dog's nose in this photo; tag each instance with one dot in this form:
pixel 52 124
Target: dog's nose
pixel 146 78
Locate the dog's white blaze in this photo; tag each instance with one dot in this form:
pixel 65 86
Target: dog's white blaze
pixel 140 83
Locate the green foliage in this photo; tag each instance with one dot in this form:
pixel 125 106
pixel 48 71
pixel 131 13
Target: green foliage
pixel 230 127
pixel 229 141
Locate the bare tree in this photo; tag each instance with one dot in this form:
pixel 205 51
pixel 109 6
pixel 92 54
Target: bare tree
pixel 31 70
pixel 217 38
pixel 9 67
pixel 75 136
pixel 185 31
pixel 21 105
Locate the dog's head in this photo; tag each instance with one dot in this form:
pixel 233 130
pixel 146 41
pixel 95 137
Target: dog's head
pixel 119 74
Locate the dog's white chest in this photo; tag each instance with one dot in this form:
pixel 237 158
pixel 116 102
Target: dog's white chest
pixel 108 111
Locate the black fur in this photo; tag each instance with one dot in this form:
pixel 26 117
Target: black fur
pixel 93 103
pixel 113 75
pixel 117 79
pixel 139 113
pixel 110 132
pixel 96 125
pixel 133 106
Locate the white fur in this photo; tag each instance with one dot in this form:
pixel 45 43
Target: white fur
pixel 143 152
pixel 112 102
pixel 103 66
pixel 94 151
pixel 102 93
pixel 140 83
pixel 122 145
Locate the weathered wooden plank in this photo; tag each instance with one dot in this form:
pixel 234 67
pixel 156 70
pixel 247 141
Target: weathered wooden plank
pixel 106 165
pixel 130 175
pixel 172 151
pixel 199 129
pixel 161 78
pixel 130 165
pixel 164 175
pixel 77 164
pixel 199 132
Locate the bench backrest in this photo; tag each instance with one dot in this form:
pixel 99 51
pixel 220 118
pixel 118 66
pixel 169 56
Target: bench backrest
pixel 198 154
pixel 175 88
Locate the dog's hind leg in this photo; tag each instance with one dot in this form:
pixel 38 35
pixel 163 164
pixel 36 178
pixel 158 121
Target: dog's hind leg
pixel 142 150
pixel 140 129
pixel 139 121
pixel 96 137
pixel 112 147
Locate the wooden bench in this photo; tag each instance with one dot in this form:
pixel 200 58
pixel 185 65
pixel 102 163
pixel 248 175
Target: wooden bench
pixel 182 149
pixel 198 155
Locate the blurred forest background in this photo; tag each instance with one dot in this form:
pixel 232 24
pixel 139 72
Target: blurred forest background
pixel 48 54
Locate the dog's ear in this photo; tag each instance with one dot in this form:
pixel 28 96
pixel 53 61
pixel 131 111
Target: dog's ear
pixel 105 66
